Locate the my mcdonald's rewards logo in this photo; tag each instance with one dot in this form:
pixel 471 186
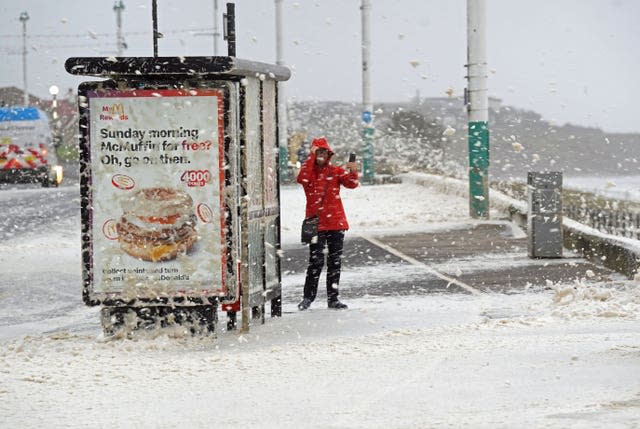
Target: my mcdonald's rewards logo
pixel 113 111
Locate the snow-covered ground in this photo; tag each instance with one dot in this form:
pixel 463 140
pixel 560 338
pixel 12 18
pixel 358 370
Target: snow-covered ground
pixel 380 209
pixel 568 357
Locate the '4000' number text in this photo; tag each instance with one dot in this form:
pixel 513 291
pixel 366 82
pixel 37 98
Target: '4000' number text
pixel 196 177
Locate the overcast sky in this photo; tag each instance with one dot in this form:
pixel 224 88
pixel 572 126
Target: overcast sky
pixel 571 60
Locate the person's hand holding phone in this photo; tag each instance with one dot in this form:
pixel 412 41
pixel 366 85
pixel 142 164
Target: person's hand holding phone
pixel 351 165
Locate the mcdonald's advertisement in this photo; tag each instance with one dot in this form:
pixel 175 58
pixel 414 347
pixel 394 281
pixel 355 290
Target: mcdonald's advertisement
pixel 156 160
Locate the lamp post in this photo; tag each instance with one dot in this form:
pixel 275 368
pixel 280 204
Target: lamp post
pixel 24 17
pixel 216 30
pixel 478 113
pixel 283 153
pixel 54 90
pixel 367 106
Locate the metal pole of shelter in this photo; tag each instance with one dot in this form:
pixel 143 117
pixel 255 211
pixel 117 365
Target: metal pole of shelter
pixel 477 108
pixel 156 35
pixel 367 106
pixel 282 103
pixel 24 17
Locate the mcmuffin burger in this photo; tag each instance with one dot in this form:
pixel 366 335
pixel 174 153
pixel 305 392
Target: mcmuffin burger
pixel 157 224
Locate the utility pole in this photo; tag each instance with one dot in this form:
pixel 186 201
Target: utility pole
pixel 367 106
pixel 282 102
pixel 477 108
pixel 118 7
pixel 24 17
pixel 216 29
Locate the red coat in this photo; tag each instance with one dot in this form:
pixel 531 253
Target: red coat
pixel 322 189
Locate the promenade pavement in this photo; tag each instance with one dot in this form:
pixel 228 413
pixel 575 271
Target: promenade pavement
pixel 465 258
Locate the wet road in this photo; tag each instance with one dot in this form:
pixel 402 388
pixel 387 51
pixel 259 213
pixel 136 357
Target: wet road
pixel 40 281
pixel 31 209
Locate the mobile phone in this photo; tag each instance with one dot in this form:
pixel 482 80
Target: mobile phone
pixel 352 157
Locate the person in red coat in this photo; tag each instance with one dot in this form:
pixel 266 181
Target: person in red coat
pixel 321 182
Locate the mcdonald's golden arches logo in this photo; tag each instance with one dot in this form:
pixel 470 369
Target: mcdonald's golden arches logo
pixel 113 111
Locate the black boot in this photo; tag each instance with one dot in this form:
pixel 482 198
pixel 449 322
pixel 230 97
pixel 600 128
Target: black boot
pixel 304 304
pixel 336 305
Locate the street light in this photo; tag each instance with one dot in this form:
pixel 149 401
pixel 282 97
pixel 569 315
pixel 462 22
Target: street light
pixel 368 130
pixel 478 109
pixel 24 17
pixel 54 91
pixel 282 102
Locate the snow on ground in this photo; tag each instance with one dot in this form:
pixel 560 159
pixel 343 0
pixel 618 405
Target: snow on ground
pixel 567 357
pixel 380 209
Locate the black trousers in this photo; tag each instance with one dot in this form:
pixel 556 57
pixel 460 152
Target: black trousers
pixel 334 240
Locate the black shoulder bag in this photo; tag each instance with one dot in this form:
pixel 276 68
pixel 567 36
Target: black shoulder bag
pixel 309 229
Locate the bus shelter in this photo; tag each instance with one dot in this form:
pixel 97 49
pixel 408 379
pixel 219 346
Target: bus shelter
pixel 180 201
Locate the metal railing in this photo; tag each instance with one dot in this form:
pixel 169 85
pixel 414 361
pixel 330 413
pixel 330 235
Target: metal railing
pixel 615 222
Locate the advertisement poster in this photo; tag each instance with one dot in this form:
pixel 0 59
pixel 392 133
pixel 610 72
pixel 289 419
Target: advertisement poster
pixel 157 176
